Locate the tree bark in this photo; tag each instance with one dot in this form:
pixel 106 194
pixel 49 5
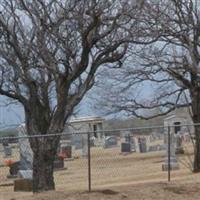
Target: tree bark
pixel 44 148
pixel 43 171
pixel 196 167
pixel 44 153
pixel 195 96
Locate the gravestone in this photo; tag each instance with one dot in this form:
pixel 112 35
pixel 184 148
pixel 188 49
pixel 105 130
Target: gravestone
pixel 152 138
pixel 25 185
pixel 92 141
pixel 14 168
pixel 77 141
pixel 7 151
pixel 162 147
pixel 179 145
pixel 26 174
pixel 130 140
pixel 157 147
pixel 5 143
pixel 84 145
pixel 66 150
pixel 136 143
pixel 58 163
pixel 153 148
pixel 133 146
pixel 126 147
pixel 142 144
pixel 26 154
pixel 110 141
pixel 173 161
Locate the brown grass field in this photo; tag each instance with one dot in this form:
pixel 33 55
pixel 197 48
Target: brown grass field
pixel 115 176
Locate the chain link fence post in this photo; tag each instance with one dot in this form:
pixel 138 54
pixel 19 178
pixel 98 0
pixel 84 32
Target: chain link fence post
pixel 169 154
pixel 89 163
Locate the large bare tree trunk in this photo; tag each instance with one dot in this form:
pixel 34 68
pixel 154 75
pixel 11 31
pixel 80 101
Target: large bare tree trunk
pixel 196 119
pixel 196 167
pixel 50 79
pixel 44 153
pixel 43 171
pixel 44 148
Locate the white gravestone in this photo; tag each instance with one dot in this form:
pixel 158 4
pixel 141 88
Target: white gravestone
pixel 7 151
pixel 173 161
pixel 84 145
pixel 27 174
pixel 179 143
pixel 26 154
pixel 137 147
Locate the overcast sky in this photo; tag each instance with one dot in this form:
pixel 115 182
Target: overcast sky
pixel 14 114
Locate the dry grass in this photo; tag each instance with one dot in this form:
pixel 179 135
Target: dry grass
pixel 150 191
pixel 111 169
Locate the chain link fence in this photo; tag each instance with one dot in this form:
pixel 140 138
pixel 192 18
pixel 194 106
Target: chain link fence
pixel 87 160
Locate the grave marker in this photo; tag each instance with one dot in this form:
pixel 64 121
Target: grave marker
pixel 125 147
pixel 179 144
pixel 7 151
pixel 137 147
pixel 142 144
pixel 25 174
pixel 84 145
pixel 173 161
pixel 110 141
pixel 26 154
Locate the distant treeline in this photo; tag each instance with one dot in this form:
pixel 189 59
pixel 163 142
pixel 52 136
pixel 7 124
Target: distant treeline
pixel 114 124
pixel 8 133
pixel 111 124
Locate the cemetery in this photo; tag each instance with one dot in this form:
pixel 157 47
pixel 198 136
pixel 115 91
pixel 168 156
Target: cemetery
pixel 109 169
pixel 127 60
pixel 120 160
pixel 125 158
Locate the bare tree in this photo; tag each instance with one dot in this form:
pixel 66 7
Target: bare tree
pixel 170 67
pixel 49 53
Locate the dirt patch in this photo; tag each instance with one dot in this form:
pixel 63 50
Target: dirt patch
pixel 150 191
pixel 107 192
pixel 6 184
pixel 183 189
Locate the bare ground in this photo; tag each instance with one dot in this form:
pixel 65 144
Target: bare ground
pixel 150 191
pixel 115 176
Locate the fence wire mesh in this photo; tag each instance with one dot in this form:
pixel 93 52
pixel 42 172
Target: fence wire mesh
pixel 118 157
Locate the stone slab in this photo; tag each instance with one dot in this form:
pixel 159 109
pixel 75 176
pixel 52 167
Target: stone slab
pixel 25 185
pixel 25 174
pixel 142 145
pixel 11 176
pixel 110 141
pixel 58 164
pixel 7 151
pixel 125 147
pixel 69 159
pixel 26 154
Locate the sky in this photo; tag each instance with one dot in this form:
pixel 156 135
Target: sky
pixel 13 114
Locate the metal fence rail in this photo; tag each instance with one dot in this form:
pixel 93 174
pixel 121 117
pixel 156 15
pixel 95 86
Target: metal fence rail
pixel 121 156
